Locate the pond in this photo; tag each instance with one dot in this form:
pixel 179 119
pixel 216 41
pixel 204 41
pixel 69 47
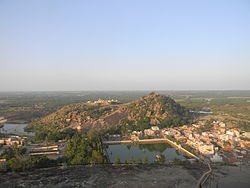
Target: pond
pixel 140 151
pixel 17 129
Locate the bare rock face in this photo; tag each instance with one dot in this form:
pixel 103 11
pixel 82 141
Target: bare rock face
pixel 152 109
pixel 105 176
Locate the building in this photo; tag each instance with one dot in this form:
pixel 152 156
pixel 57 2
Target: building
pixel 155 128
pixel 137 133
pixel 206 149
pixel 216 158
pixel 149 132
pixel 103 102
pixel 13 140
pixel 45 150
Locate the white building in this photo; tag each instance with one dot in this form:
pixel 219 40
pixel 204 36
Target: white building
pixel 155 128
pixel 216 158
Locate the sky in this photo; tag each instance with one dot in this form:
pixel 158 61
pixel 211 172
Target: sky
pixel 54 45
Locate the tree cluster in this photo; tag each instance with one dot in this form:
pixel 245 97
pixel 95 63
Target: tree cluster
pixel 16 160
pixel 85 148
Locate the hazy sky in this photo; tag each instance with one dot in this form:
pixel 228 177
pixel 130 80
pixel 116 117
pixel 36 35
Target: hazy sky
pixel 124 45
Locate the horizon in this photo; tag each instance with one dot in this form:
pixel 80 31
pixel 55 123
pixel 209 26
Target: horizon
pixel 56 46
pixel 154 91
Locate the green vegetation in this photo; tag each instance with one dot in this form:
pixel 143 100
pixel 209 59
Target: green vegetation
pixel 117 160
pixel 53 135
pixel 156 110
pixel 115 119
pixel 145 160
pixel 148 111
pixel 24 163
pixel 82 148
pixel 12 152
pixel 17 161
pixel 160 158
pixel 159 147
pixel 85 148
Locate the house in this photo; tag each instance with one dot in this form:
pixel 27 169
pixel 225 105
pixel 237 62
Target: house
pixel 216 158
pixel 244 144
pixel 2 141
pixel 222 124
pixel 137 133
pixel 230 133
pixel 155 128
pixel 222 130
pixel 13 140
pixel 246 134
pixel 115 136
pixel 167 132
pixel 206 149
pixel 204 138
pixel 79 127
pixel 204 134
pixel 149 132
pixel 190 137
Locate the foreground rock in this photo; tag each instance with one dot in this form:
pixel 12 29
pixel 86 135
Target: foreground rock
pixel 128 176
pixel 232 176
pixel 105 176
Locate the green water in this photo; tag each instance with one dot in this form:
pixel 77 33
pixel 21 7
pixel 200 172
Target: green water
pixel 140 151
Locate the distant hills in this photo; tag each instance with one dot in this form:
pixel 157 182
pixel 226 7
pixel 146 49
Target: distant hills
pixel 149 110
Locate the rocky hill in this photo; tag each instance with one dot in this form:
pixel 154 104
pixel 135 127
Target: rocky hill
pixel 150 110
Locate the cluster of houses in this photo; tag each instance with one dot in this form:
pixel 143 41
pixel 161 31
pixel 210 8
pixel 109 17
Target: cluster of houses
pixel 154 131
pixel 103 102
pixel 190 137
pixel 215 142
pixel 185 134
pixel 208 142
pixel 13 140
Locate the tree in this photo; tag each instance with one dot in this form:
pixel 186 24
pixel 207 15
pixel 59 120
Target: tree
pixel 85 148
pixel 145 160
pixel 117 160
pixel 160 158
pixel 139 161
pixel 97 157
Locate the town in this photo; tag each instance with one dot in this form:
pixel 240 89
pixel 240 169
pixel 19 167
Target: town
pixel 214 141
pixel 218 143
